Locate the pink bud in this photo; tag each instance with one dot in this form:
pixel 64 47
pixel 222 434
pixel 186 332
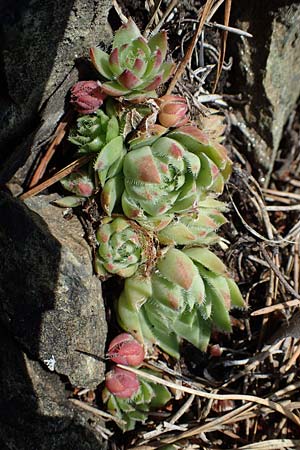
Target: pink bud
pixel 124 349
pixel 87 96
pixel 173 111
pixel 215 350
pixel 85 189
pixel 121 383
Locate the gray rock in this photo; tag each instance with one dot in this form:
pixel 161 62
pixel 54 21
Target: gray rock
pixel 268 74
pixel 35 413
pixel 40 42
pixel 49 298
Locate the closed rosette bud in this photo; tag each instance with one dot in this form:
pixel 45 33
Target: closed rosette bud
pixel 135 67
pixel 123 247
pixel 87 96
pixel 121 383
pixel 172 111
pixel 131 398
pixel 124 349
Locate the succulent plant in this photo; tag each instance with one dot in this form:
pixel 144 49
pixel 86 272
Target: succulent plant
pixel 171 175
pixel 122 383
pixel 123 247
pixel 126 350
pixel 81 184
pixel 99 133
pixel 93 132
pixel 130 398
pixel 87 96
pixel 172 111
pixel 188 294
pixel 159 176
pixel 135 67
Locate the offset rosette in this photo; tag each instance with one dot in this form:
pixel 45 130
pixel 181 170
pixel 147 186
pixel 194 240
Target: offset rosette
pixel 135 67
pixel 131 398
pixel 99 133
pixel 188 294
pixel 123 247
pixel 93 132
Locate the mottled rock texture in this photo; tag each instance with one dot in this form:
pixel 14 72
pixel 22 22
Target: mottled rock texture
pixel 40 41
pixel 267 71
pixel 49 298
pixel 35 413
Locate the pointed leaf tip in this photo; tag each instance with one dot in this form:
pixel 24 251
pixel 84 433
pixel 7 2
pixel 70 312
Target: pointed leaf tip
pixel 178 268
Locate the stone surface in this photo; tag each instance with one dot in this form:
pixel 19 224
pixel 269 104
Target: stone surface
pixel 267 71
pixel 35 413
pixel 40 41
pixel 49 298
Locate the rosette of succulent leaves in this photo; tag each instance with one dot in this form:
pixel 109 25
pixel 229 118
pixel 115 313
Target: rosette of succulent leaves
pixel 157 177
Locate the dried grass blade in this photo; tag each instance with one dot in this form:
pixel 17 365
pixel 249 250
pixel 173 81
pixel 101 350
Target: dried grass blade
pixel 58 176
pixel 96 411
pixel 59 135
pixel 272 444
pixel 248 398
pixel 188 55
pixel 278 306
pixel 223 43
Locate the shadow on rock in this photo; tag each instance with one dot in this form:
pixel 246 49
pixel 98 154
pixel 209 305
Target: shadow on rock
pixel 39 42
pixel 34 410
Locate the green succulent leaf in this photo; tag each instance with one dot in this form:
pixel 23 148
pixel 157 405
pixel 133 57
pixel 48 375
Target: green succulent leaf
pixel 159 41
pixel 163 336
pixel 114 89
pixel 178 268
pixel 161 396
pixel 126 34
pixel 207 259
pixel 109 154
pixel 220 315
pixel 113 129
pixel 146 390
pixel 69 201
pixel 111 193
pixel 193 228
pixel 192 327
pixel 100 60
pixel 237 300
pixel 79 183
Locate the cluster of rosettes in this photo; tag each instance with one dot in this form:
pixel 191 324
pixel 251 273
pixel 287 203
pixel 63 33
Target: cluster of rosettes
pixel 156 176
pixel 126 395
